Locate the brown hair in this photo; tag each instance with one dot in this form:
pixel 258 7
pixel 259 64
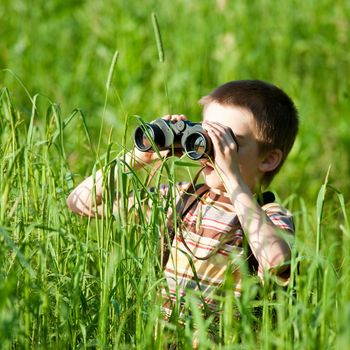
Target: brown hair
pixel 274 112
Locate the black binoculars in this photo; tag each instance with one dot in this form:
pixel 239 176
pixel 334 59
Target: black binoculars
pixel 183 136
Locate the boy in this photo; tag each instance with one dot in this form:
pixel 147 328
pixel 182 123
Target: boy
pixel 265 123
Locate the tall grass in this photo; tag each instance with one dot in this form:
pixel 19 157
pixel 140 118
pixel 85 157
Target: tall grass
pixel 64 51
pixel 73 282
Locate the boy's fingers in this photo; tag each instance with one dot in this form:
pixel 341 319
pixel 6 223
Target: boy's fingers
pixel 221 136
pixel 226 132
pixel 177 117
pixel 174 117
pixel 213 126
pixel 215 139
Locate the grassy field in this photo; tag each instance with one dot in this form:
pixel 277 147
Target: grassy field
pixel 67 109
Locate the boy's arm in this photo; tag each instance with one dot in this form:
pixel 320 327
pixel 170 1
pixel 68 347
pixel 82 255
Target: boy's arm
pixel 86 198
pixel 265 240
pixel 267 244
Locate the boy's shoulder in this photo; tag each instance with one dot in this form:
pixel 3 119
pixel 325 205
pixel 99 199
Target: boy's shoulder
pixel 280 216
pixel 275 207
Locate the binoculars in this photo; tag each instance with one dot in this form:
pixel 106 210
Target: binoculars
pixel 183 136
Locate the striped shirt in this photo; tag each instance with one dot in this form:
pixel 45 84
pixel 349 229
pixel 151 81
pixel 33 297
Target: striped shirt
pixel 213 242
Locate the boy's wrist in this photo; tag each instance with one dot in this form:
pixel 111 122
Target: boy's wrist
pixel 133 161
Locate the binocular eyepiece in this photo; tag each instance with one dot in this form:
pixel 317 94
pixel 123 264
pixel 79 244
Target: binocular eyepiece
pixel 183 136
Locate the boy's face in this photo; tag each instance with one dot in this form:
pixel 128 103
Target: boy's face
pixel 248 159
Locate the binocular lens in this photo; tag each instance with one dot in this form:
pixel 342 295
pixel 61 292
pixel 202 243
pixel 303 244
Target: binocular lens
pixel 145 141
pixel 142 141
pixel 196 146
pixel 144 135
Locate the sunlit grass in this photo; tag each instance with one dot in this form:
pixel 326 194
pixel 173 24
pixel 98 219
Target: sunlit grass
pixel 302 48
pixel 74 282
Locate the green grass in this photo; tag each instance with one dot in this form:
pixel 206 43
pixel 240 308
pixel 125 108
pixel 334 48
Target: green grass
pixel 71 282
pixel 65 51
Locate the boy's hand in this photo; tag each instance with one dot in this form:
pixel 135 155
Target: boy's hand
pixel 225 147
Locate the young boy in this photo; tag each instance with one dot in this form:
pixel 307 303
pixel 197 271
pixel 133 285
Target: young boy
pixel 265 123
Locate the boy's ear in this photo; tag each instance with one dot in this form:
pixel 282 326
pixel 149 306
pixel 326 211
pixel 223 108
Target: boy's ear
pixel 271 160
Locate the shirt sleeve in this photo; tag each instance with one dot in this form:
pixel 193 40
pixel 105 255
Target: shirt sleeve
pixel 280 217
